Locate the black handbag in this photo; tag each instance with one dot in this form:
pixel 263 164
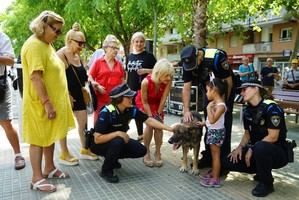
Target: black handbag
pixel 93 96
pixel 3 86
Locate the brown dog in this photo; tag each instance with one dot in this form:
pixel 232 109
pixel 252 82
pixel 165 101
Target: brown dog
pixel 188 135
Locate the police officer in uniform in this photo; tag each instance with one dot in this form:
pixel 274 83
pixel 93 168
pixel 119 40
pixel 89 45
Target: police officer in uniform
pixel 111 139
pixel 198 66
pixel 262 147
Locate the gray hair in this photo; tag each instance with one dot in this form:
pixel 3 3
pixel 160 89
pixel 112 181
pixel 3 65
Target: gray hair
pixel 137 35
pixel 37 26
pixel 110 39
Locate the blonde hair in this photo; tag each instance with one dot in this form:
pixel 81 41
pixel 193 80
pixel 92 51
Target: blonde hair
pixel 162 68
pixel 110 39
pixel 38 25
pixel 73 32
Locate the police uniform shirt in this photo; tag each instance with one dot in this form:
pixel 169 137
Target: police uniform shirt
pixel 267 114
pixel 111 119
pixel 219 66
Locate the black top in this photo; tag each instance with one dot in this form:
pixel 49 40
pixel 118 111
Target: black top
pixel 74 86
pixel 267 114
pixel 268 80
pixel 111 119
pixel 218 65
pixel 138 61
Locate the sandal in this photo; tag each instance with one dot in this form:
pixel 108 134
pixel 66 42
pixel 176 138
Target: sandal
pixel 57 174
pixel 39 186
pixel 148 163
pixel 158 163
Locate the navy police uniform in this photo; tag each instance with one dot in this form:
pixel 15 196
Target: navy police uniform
pixel 266 156
pixel 110 120
pixel 214 60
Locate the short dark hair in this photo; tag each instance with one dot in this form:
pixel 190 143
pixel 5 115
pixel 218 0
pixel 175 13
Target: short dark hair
pixel 116 101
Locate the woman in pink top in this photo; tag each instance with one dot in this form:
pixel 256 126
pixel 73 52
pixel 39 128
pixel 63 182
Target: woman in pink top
pixel 106 73
pixel 151 99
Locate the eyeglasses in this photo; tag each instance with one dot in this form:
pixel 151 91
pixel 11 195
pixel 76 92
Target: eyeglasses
pixel 115 48
pixel 80 43
pixel 57 31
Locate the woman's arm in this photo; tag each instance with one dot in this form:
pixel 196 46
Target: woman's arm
pixel 164 97
pixel 38 83
pixel 144 99
pixel 272 136
pixel 214 112
pixel 157 125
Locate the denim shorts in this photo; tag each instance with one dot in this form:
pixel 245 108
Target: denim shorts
pixel 216 136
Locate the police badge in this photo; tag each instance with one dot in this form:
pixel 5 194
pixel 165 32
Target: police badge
pixel 275 120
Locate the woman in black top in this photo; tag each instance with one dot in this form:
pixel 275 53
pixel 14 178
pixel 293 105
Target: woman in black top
pixel 140 63
pixel 76 78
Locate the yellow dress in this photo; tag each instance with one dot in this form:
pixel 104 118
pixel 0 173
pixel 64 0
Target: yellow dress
pixel 37 128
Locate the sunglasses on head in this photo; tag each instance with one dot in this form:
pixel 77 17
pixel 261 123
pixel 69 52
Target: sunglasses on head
pixel 57 31
pixel 80 43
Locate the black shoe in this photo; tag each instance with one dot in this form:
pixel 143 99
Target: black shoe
pixel 262 190
pixel 117 165
pixel 109 177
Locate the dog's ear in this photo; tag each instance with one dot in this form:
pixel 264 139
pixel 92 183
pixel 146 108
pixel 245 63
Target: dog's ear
pixel 196 116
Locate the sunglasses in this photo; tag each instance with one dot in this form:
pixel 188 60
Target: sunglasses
pixel 80 43
pixel 57 31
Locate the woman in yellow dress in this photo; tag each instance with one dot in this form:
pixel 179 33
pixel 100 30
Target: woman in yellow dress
pixel 47 111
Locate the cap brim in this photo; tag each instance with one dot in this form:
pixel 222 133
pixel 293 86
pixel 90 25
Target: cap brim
pixel 131 93
pixel 189 66
pixel 245 85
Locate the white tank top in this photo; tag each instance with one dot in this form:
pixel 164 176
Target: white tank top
pixel 219 124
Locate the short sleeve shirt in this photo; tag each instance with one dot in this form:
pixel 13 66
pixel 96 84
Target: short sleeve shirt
pixel 219 67
pixel 268 80
pixel 5 49
pixel 266 115
pixel 143 60
pixel 110 121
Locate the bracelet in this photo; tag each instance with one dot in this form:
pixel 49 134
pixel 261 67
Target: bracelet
pixel 46 101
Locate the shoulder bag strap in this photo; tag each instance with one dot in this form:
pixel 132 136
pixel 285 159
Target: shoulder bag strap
pixel 73 70
pixel 294 80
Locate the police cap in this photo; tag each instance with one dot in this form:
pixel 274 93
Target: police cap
pixel 122 90
pixel 189 57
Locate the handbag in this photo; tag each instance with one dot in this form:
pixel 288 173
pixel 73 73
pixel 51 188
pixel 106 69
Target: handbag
pixel 3 86
pixel 85 92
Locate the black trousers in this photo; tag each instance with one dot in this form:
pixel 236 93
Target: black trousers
pixel 266 156
pixel 228 122
pixel 139 124
pixel 117 149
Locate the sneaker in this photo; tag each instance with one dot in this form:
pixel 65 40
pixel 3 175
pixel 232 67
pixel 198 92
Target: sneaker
pixel 86 154
pixel 207 176
pixel 109 177
pixel 212 182
pixel 66 158
pixel 19 162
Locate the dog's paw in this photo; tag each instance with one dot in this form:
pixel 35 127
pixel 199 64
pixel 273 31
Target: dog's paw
pixel 183 169
pixel 195 172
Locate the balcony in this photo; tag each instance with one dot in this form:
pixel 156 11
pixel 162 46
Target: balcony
pixel 263 47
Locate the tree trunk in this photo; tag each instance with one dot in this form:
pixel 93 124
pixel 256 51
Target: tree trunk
pixel 200 22
pixel 296 46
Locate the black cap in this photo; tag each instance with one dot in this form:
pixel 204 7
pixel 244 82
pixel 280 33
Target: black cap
pixel 122 90
pixel 189 57
pixel 252 83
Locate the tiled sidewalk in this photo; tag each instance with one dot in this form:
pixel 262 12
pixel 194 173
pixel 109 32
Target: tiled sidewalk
pixel 140 182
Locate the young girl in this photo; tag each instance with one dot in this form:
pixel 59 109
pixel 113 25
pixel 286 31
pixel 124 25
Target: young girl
pixel 216 91
pixel 151 99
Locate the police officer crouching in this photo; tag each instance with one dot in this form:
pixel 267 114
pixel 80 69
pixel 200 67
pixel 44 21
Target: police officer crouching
pixel 262 147
pixel 111 139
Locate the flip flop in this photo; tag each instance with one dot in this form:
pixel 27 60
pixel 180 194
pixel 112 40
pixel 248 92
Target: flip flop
pixel 38 186
pixel 53 174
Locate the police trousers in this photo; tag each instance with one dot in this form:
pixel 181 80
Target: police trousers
pixel 117 149
pixel 265 157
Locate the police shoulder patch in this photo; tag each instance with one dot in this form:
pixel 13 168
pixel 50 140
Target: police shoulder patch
pixel 275 119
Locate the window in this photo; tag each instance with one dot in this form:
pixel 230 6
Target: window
pixel 233 41
pixel 220 43
pixel 285 34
